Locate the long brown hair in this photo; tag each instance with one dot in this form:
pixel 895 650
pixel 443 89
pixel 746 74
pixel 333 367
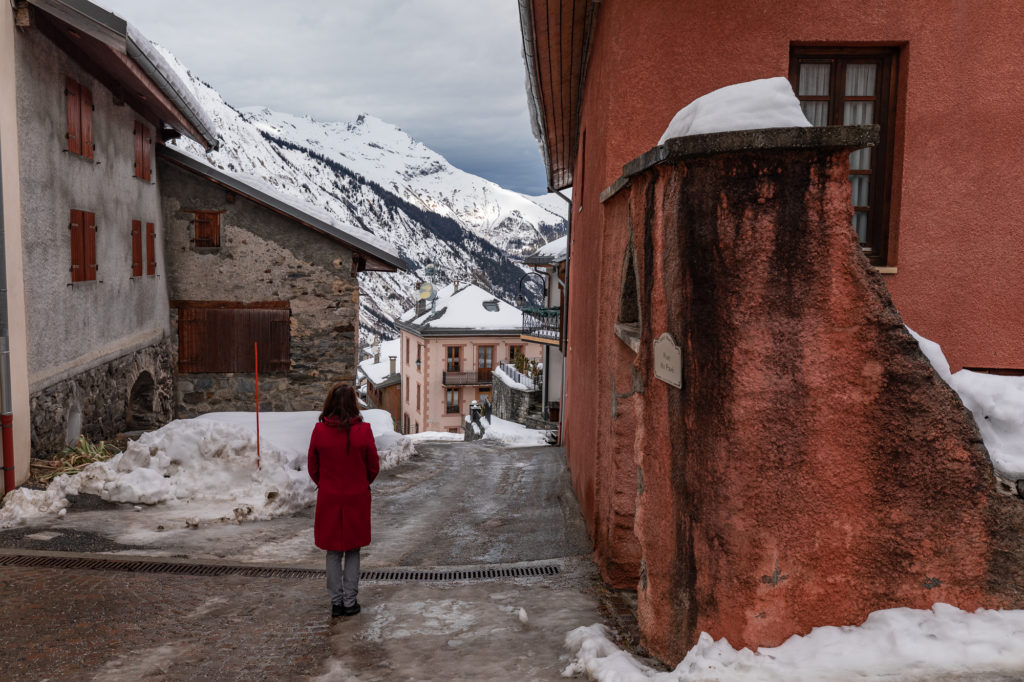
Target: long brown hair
pixel 341 402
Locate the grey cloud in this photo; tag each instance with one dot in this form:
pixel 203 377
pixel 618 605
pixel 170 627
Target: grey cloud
pixel 448 72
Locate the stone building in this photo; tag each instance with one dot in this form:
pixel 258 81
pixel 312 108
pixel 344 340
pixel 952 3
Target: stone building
pixel 450 346
pixel 93 100
pixel 756 441
pixel 247 266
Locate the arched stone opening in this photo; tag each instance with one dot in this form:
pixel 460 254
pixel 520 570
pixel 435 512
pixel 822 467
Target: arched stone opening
pixel 141 414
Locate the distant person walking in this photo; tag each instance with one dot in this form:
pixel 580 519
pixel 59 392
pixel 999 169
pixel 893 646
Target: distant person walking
pixel 343 462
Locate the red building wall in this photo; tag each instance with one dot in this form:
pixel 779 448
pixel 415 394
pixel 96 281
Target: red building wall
pixel 957 238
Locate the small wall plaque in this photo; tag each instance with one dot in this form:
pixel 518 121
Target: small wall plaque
pixel 668 361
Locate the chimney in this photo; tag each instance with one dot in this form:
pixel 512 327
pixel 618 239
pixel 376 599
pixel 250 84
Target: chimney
pixel 455 286
pixel 392 358
pixel 421 307
pixel 376 354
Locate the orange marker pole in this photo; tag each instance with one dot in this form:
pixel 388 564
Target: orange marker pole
pixel 256 353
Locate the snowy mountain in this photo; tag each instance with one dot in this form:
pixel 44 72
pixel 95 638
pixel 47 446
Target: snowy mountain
pixel 372 175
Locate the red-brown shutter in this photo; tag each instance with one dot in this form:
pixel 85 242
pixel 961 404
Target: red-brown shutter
pixel 138 149
pixel 147 147
pixel 207 229
pixel 89 244
pixel 74 110
pixel 150 249
pixel 86 106
pixel 136 248
pixel 77 239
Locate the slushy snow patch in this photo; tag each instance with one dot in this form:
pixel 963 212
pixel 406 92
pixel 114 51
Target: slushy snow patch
pixel 209 459
pixel 765 103
pixel 891 644
pixel 510 433
pixel 997 403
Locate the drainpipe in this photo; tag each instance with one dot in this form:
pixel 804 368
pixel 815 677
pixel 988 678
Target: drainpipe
pixel 6 414
pixel 565 318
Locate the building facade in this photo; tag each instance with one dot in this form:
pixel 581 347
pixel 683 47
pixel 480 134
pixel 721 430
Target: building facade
pixel 660 492
pixel 384 378
pixel 450 348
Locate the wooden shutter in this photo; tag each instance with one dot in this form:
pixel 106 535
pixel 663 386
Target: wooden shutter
pixel 150 249
pixel 136 248
pixel 89 244
pixel 207 229
pixel 221 339
pixel 138 149
pixel 77 250
pixel 85 100
pixel 74 109
pixel 147 148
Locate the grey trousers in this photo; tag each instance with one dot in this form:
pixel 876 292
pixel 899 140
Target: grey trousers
pixel 343 585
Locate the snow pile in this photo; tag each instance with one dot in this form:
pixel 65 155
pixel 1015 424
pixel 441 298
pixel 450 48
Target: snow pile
pixel 997 403
pixel 209 460
pixel 765 103
pixel 891 644
pixel 509 433
pixel 433 436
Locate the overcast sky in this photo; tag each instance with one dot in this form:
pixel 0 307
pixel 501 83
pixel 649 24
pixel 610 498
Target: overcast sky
pixel 448 72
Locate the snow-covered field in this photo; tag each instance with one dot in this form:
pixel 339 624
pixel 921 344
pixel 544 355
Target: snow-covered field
pixel 207 465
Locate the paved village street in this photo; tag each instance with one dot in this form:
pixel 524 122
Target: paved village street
pixel 454 508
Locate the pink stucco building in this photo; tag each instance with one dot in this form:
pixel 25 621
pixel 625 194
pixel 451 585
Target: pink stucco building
pixel 449 348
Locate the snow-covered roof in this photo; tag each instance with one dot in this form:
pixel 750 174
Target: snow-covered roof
pixel 379 372
pixel 764 103
pixel 468 310
pixel 98 32
pixel 554 251
pixel 258 190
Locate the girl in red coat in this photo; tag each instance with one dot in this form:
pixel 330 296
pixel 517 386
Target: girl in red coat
pixel 342 462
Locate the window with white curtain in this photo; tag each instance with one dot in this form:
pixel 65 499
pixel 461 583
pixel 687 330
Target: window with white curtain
pixel 855 86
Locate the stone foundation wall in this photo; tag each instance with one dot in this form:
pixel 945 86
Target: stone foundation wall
pixel 96 402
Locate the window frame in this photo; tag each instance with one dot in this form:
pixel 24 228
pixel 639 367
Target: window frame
pixel 880 230
pixel 451 407
pixel 512 347
pixel 453 353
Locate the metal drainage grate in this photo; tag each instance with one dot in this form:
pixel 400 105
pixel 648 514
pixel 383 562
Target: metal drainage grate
pixel 450 575
pixel 386 574
pixel 37 561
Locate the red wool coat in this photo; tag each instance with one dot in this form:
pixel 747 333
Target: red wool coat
pixel 343 462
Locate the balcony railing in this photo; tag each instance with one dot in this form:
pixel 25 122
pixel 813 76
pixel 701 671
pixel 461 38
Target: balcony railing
pixel 543 323
pixel 479 376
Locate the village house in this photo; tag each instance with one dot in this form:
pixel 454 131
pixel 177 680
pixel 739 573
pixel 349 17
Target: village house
pixel 383 378
pixel 742 484
pixel 450 347
pixel 544 324
pixel 248 265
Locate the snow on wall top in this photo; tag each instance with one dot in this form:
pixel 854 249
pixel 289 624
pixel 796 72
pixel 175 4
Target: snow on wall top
pixel 764 103
pixel 465 310
pixel 377 372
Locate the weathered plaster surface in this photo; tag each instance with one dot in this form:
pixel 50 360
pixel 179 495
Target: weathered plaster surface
pixel 813 468
pixel 69 322
pixel 263 257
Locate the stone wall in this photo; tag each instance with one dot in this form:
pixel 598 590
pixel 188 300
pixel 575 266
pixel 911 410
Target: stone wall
pixel 264 256
pixel 97 403
pixel 513 404
pixel 813 467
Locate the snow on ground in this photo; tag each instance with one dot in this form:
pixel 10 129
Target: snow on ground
pixel 890 644
pixel 997 403
pixel 764 103
pixel 511 433
pixel 208 464
pixel 434 435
